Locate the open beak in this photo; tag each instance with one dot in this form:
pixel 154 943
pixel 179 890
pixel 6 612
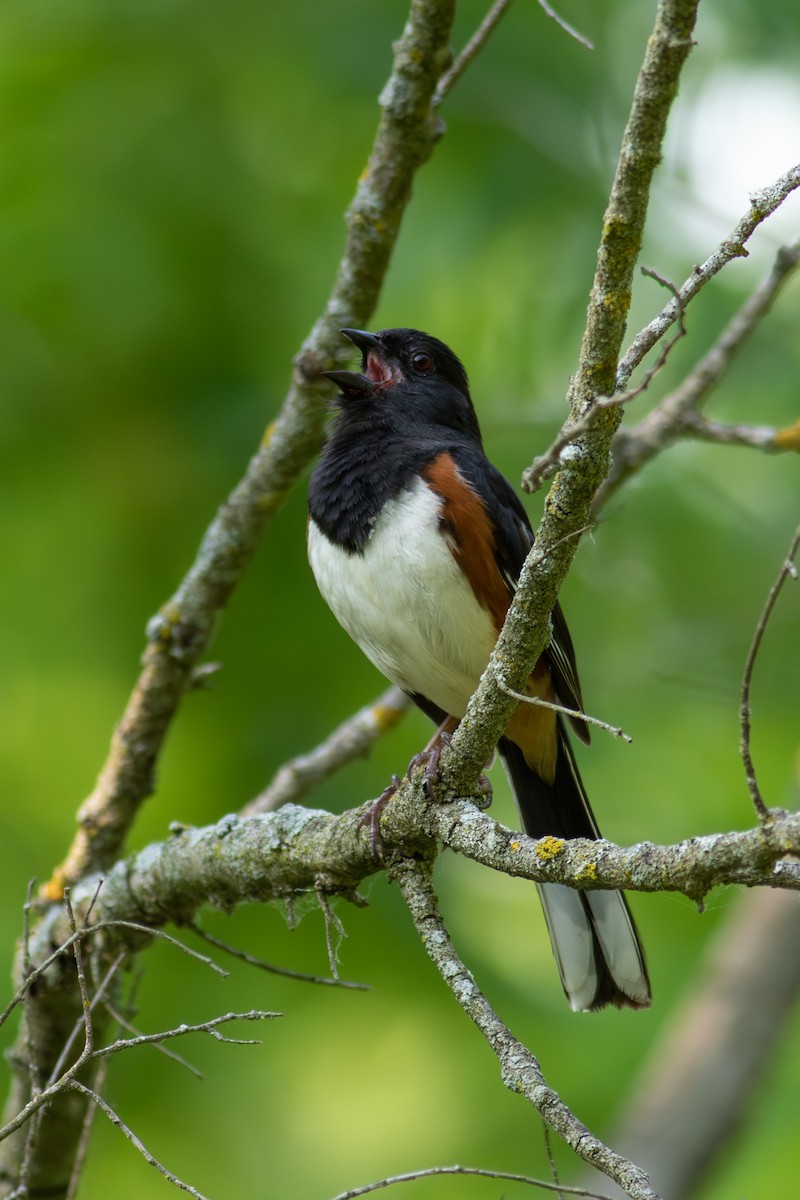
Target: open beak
pixel 349 381
pixel 371 361
pixel 362 340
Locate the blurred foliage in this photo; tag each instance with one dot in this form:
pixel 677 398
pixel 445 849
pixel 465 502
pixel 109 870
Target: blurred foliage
pixel 173 182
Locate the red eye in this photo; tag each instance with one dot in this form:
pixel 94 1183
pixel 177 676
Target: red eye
pixel 422 363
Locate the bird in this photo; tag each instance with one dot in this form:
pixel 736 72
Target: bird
pixel 416 542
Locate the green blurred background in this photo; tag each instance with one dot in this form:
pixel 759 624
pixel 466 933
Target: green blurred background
pixel 173 182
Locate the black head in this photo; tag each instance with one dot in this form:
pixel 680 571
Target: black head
pixel 410 376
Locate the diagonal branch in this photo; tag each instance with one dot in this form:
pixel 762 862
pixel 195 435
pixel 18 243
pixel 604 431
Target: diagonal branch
pixel 677 415
pixel 762 205
pixel 520 1070
pixel 407 133
pixel 567 511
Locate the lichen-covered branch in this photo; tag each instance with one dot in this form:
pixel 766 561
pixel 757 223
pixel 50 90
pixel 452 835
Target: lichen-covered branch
pixel 520 1070
pixel 277 856
pixel 584 464
pixel 178 636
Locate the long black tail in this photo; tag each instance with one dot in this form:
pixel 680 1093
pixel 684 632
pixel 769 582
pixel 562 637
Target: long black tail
pixel 595 942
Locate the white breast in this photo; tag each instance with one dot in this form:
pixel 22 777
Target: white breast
pixel 406 603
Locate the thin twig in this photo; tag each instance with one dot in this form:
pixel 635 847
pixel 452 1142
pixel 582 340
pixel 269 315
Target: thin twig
pixel 135 1032
pixel 559 20
pixel 252 961
pixel 483 1173
pixel 677 414
pixel 333 929
pixel 209 1027
pixel 136 1141
pixel 82 1148
pixel 548 1149
pixel 546 465
pixel 67 944
pixel 85 1021
pixel 67 1079
pixel 762 205
pixel 614 730
pixel 470 51
pixel 787 569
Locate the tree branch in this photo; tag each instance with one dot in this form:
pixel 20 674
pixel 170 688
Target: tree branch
pixel 278 856
pixel 567 511
pixel 179 634
pixel 762 205
pixel 520 1070
pixel 788 569
pixel 677 415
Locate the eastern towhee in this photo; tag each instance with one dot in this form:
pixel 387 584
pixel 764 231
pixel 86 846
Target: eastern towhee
pixel 416 542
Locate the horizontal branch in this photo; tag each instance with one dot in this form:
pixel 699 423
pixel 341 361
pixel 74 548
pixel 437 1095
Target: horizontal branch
pixel 279 855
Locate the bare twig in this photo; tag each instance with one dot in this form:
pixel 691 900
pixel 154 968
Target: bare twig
pixel 136 1141
pixel 548 1149
pixel 520 1070
pixel 252 961
pixel 66 945
pixel 85 1021
pixel 559 20
pixel 82 1148
pixel 759 437
pixel 132 1029
pixel 677 414
pixel 762 205
pixel 353 739
pixel 614 730
pixel 67 1078
pixel 210 1027
pixel 546 465
pixel 470 51
pixel 429 1172
pixel 787 569
pixel 334 931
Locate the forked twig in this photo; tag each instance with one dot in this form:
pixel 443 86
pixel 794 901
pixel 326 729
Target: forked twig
pixel 470 51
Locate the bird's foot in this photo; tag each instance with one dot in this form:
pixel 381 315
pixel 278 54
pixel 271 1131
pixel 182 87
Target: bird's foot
pixel 372 818
pixel 428 760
